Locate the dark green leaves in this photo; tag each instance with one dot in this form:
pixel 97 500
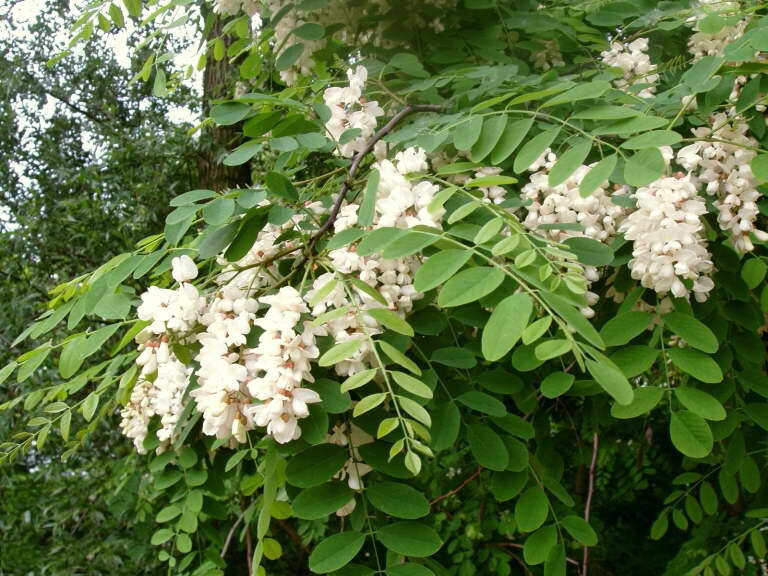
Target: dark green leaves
pixel 506 325
pixel 534 148
pixel 410 539
pixel 580 530
pixel 698 365
pixel 439 268
pixel 694 332
pixel 701 403
pixel 229 113
pixel 470 285
pixel 690 434
pixel 320 501
pixel 644 167
pixel 281 187
pixel 487 447
pixel 589 251
pixel 612 381
pixel 315 465
pixel 510 140
pixel 398 500
pixel 335 552
pixel 620 329
pixel 531 509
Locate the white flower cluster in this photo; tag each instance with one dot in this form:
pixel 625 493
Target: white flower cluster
pixel 669 249
pixel 723 168
pixel 163 379
pixel 636 65
pixel 599 216
pixel 701 44
pixel 350 110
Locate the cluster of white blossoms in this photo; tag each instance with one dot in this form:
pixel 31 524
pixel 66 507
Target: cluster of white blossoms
pixel 633 59
pixel 723 169
pixel 597 214
pixel 702 44
pixel 283 40
pixel 172 316
pixel 350 110
pixel 669 249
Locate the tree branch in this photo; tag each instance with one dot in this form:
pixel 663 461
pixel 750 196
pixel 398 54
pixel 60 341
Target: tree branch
pixel 357 160
pixel 590 491
pixel 459 488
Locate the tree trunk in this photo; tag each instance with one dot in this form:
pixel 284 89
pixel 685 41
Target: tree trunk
pixel 218 81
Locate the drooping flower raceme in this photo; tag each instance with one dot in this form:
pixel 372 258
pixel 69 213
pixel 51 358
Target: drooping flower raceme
pixel 669 252
pixel 723 168
pixel 635 64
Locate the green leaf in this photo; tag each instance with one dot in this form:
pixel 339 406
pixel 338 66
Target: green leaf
pixel 753 272
pixel 506 325
pixel 552 348
pixel 281 187
pixel 320 501
pixel 446 422
pixel 227 114
pixel 470 285
pixel 288 57
pixel 612 381
pixel 534 148
pixel 467 133
pixel 411 384
pixel 340 352
pixel 218 211
pixel 315 465
pixel 368 403
pixel 698 365
pixel 345 237
pixel 398 500
pixel 556 384
pixel 587 91
pixel 690 434
pixel 368 204
pixel 701 403
pixel 597 175
pixel 646 398
pixel 487 447
pixel 482 402
pixel 409 539
pixel 439 268
pixel 621 329
pixel 644 167
pixel 589 251
pixel 760 167
pixel 758 413
pixel 531 509
pixel 359 379
pixel 694 332
pixel 454 357
pixel 408 570
pixel 510 140
pixel 310 31
pixel 398 357
pixel 167 514
pixel 408 243
pixel 606 112
pixel 390 320
pixel 653 139
pixel 580 529
pixel 492 130
pixel 569 162
pixel 335 552
pixel 634 360
pixel 539 544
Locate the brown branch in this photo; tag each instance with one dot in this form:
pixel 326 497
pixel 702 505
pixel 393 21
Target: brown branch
pixel 229 536
pixel 357 160
pixel 590 491
pixel 459 488
pixel 249 550
pixel 293 535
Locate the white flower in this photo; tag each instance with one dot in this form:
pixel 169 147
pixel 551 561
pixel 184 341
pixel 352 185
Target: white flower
pixel 669 248
pixel 184 269
pixel 635 64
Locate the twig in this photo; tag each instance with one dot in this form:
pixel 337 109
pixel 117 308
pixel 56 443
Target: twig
pixel 459 488
pixel 230 535
pixel 249 550
pixel 590 491
pixel 520 546
pixel 357 160
pixel 293 535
